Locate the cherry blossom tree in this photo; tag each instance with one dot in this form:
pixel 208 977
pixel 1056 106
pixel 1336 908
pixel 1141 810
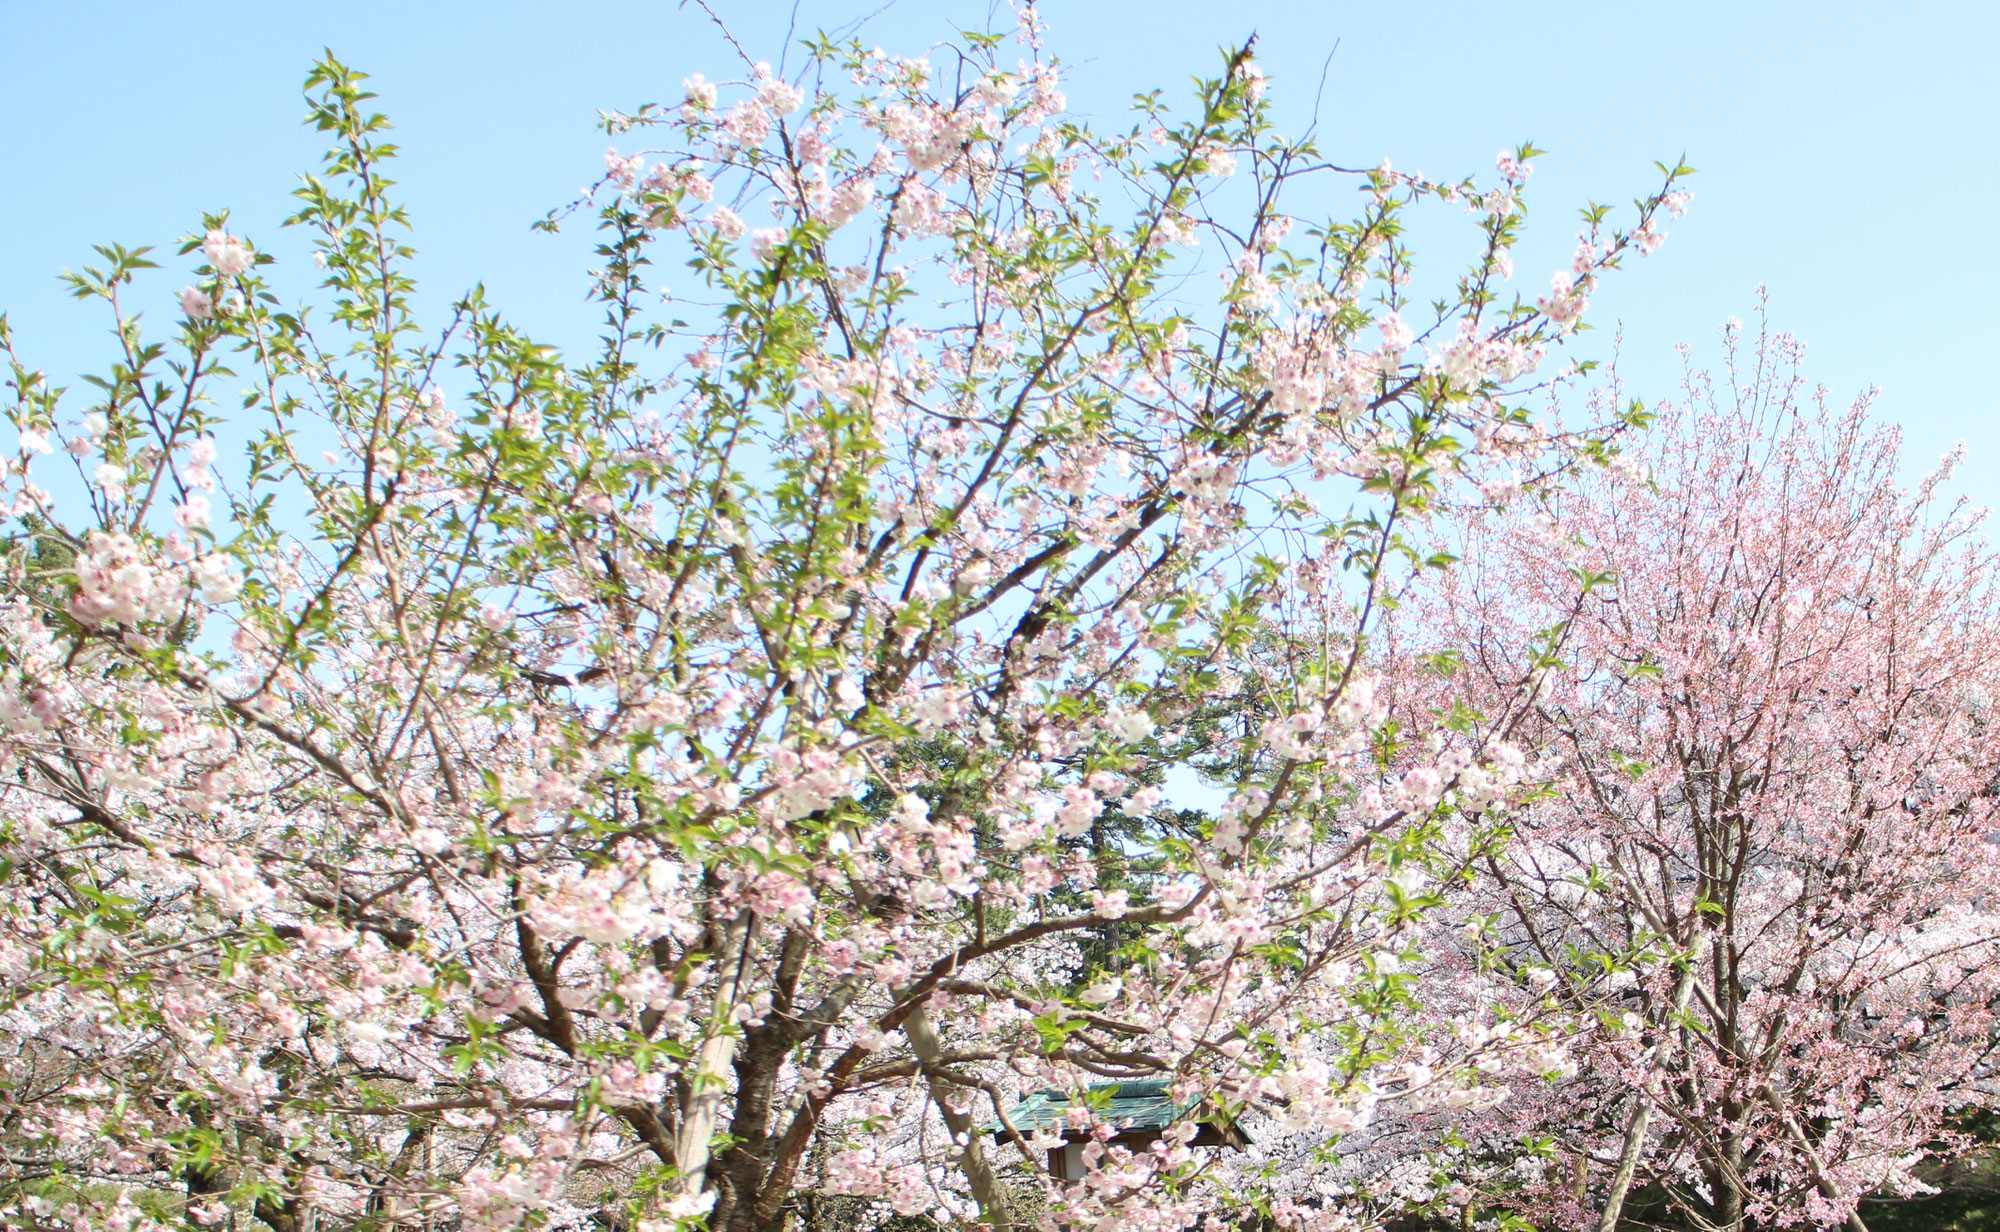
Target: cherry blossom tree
pixel 452 784
pixel 1763 878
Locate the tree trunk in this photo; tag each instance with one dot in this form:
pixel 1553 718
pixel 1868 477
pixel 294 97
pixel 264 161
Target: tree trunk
pixel 1628 1162
pixel 710 1080
pixel 986 1186
pixel 1642 1118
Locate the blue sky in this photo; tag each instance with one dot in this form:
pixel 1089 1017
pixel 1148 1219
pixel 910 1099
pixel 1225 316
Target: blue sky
pixel 1847 152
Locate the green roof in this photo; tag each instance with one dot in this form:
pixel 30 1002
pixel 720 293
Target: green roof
pixel 1125 1106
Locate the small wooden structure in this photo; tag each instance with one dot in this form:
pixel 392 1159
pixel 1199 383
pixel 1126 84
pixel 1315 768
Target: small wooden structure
pixel 1139 1112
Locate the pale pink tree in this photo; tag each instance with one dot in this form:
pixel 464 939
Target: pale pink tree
pixel 1763 877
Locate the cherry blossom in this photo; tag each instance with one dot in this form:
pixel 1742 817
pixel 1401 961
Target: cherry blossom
pixel 946 656
pixel 1762 878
